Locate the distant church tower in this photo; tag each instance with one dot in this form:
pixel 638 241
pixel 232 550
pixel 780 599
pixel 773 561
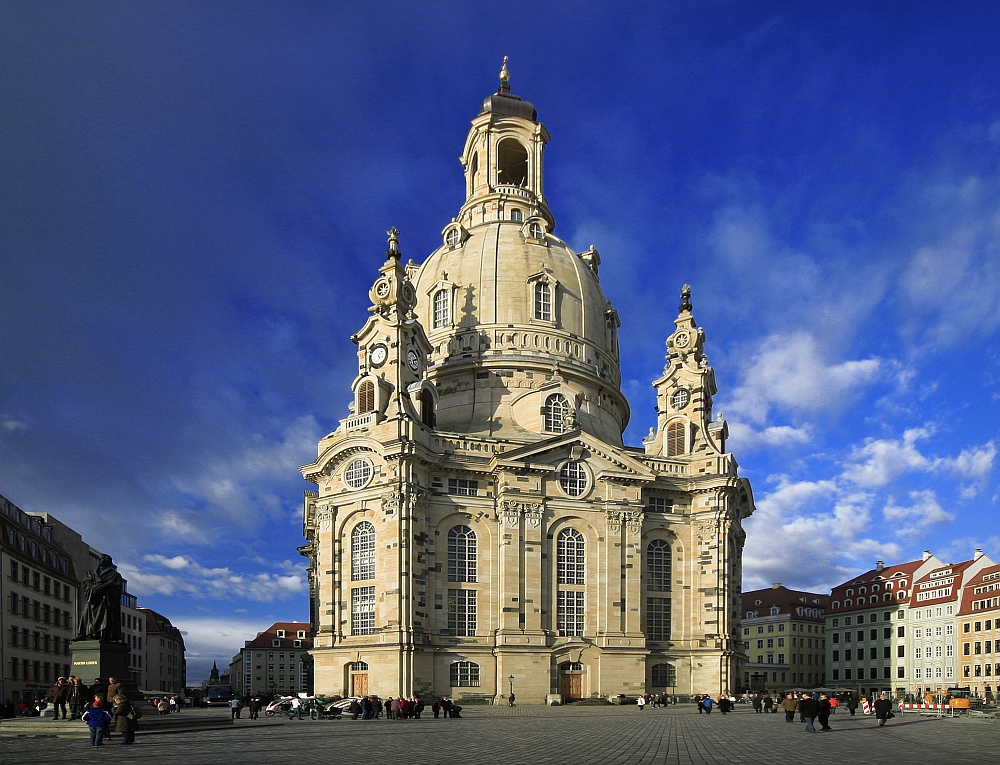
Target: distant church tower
pixel 477 515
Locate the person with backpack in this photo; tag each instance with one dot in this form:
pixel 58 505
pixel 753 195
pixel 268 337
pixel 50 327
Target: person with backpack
pixel 126 719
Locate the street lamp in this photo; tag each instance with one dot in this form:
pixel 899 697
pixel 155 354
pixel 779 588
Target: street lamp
pixel 511 681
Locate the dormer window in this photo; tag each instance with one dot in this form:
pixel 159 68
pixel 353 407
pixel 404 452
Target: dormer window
pixel 535 230
pixel 451 238
pixel 554 413
pixel 543 301
pixel 281 633
pixel 442 308
pixel 301 634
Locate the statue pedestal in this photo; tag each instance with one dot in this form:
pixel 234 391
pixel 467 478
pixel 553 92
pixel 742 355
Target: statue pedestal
pixel 103 659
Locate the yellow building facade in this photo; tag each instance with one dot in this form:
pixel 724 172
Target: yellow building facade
pixel 478 525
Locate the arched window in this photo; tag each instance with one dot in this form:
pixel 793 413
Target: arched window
pixel 464 674
pixel 363 552
pixel 675 439
pixel 366 397
pixel 427 415
pixel 512 163
pixel 554 412
pixel 451 238
pixel 570 557
pixel 543 301
pixel 442 309
pixel 517 216
pixel 359 666
pixel 664 675
pixel 461 554
pixel 658 562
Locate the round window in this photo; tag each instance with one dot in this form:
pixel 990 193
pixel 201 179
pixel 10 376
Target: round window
pixel 358 474
pixel 573 479
pixel 681 398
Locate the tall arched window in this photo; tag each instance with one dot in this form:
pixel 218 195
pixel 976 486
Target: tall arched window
pixel 363 552
pixel 442 308
pixel 512 162
pixel 554 412
pixel 570 557
pixel 570 595
pixel 366 397
pixel 427 415
pixel 543 301
pixel 461 554
pixel 657 572
pixel 658 566
pixel 675 439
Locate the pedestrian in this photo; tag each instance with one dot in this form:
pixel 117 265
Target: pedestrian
pixel 834 703
pixel 172 701
pixel 708 702
pixel 510 702
pixel 809 709
pixel 254 707
pixel 852 704
pixel 163 706
pixel 388 708
pixel 98 690
pixel 641 702
pixel 698 703
pixel 234 707
pixel 788 704
pixel 97 720
pixel 78 697
pixel 59 694
pixel 113 689
pixel 825 710
pixel 377 706
pixel 883 709
pixel 768 703
pixel 418 707
pixel 295 713
pixel 757 703
pixel 126 719
pixel 725 704
pixel 436 708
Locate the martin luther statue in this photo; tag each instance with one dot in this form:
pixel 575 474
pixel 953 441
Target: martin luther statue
pixel 100 603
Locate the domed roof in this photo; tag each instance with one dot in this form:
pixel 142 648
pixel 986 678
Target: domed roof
pixel 507 305
pixel 494 271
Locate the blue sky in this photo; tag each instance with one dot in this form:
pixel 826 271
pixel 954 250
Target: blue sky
pixel 193 200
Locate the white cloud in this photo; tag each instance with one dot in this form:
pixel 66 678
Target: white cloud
pixel 181 575
pixel 803 521
pixel 792 373
pixel 879 462
pixel 10 424
pixel 912 521
pixel 746 437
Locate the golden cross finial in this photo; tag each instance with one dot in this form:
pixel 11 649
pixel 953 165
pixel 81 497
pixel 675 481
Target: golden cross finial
pixel 504 74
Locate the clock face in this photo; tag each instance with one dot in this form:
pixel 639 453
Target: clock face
pixel 681 398
pixel 378 355
pixel 413 359
pixel 681 340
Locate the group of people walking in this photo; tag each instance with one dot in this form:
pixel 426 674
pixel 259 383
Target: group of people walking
pixel 401 708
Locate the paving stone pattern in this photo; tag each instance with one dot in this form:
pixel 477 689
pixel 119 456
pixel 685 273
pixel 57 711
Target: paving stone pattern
pixel 537 734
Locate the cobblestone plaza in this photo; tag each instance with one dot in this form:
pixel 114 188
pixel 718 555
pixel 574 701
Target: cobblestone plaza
pixel 533 734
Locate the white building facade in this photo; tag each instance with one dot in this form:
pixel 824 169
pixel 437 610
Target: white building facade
pixel 478 524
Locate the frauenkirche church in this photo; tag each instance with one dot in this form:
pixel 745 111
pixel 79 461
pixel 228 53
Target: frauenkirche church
pixel 479 524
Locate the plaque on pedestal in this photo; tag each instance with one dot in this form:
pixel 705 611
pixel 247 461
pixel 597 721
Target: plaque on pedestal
pixel 94 659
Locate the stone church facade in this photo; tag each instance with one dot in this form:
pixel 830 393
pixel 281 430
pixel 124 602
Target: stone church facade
pixel 478 525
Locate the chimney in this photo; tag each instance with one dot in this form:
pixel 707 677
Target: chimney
pixel 879 565
pixel 978 554
pixel 776 586
pixel 927 554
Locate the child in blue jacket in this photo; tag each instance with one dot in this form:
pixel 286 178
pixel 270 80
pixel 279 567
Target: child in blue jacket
pixel 98 719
